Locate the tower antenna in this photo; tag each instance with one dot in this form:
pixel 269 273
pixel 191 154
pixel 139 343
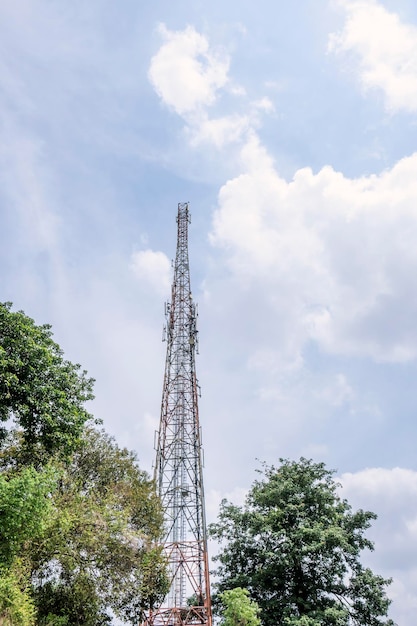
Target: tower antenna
pixel 179 467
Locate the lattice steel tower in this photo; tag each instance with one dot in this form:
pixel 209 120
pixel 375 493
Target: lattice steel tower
pixel 178 468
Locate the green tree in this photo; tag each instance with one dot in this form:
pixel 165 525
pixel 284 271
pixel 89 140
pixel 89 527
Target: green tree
pixel 25 509
pixel 79 520
pixel 79 537
pixel 17 607
pixel 70 601
pixel 100 551
pixel 296 546
pixel 238 608
pixel 40 391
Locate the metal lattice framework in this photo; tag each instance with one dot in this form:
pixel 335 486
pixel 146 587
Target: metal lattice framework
pixel 178 469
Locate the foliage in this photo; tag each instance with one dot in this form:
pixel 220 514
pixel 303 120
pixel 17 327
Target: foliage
pixel 25 507
pixel 296 546
pixel 239 609
pixel 17 607
pixel 71 601
pixel 39 390
pixel 79 520
pixel 88 528
pixel 99 549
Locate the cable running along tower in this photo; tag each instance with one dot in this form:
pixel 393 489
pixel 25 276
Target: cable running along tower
pixel 178 468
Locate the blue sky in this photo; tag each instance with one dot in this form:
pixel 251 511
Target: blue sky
pixel 291 130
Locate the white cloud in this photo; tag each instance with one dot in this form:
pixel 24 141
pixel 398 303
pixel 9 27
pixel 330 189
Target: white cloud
pixel 189 75
pixel 387 490
pixel 152 267
pixel 392 495
pixel 185 73
pixel 336 256
pixel 214 497
pixel 385 49
pixel 264 104
pixel 219 131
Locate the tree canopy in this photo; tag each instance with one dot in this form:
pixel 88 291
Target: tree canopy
pixel 80 521
pixel 100 543
pixel 238 608
pixel 88 529
pixel 42 393
pixel 25 507
pixel 296 546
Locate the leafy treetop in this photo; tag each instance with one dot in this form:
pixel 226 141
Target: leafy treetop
pixel 43 393
pixel 238 608
pixel 296 546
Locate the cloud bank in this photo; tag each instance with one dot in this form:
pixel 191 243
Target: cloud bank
pixel 341 250
pixel 384 50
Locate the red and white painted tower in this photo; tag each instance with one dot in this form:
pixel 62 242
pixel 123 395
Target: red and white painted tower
pixel 179 467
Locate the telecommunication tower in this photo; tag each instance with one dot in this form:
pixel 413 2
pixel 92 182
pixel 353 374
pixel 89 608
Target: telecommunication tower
pixel 179 467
